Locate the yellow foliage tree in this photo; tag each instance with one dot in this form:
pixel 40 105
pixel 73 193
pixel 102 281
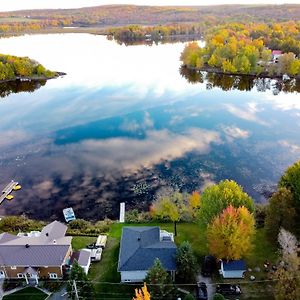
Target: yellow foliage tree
pixel 142 294
pixel 230 234
pixel 194 203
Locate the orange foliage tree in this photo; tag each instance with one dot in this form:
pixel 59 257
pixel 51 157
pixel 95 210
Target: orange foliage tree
pixel 230 234
pixel 142 294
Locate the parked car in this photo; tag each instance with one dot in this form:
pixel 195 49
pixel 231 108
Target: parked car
pixel 201 291
pixel 93 246
pixel 208 266
pixel 228 289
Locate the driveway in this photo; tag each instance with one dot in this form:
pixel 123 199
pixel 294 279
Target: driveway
pixel 211 289
pixel 60 295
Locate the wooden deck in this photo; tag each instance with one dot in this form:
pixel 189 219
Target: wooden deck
pixel 7 190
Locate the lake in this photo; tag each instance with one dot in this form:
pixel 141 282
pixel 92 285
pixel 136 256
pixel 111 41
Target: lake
pixel 127 122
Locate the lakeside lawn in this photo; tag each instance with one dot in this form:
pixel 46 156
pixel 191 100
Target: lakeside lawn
pixel 104 273
pixel 29 293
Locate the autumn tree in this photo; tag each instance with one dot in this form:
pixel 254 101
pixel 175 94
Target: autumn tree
pixel 194 204
pixel 186 263
pixel 142 293
pixel 175 206
pixel 217 197
pixel 280 213
pixel 159 282
pixel 291 180
pixel 230 234
pixel 284 63
pixel 191 54
pixel 287 275
pixel 164 208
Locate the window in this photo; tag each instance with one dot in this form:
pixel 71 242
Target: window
pixel 13 267
pixel 52 275
pixel 20 275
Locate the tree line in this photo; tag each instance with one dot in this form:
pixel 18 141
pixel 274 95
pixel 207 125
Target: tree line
pixel 154 33
pixel 238 48
pixel 121 15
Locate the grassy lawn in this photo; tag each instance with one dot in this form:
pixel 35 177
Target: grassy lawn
pixel 79 242
pixel 106 278
pixel 29 293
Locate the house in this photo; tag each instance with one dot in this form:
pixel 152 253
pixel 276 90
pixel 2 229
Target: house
pixel 139 248
pixel 233 269
pixel 275 55
pixel 44 254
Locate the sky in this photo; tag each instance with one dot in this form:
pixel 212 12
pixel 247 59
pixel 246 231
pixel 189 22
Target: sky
pixel 8 5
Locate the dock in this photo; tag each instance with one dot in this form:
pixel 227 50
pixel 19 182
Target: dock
pixel 7 190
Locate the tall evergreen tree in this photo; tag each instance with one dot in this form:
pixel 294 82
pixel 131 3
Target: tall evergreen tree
pixel 84 287
pixel 186 263
pixel 159 282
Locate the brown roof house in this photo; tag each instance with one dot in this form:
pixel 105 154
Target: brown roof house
pixel 36 255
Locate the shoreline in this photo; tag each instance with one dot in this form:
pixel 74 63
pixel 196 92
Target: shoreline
pixel 253 75
pixel 35 78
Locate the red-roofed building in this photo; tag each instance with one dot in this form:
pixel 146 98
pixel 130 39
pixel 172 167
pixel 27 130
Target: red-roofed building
pixel 275 55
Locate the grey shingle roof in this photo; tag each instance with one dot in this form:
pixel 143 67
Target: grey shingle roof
pixel 54 230
pixel 34 255
pixel 48 249
pixel 7 237
pixel 84 257
pixel 140 246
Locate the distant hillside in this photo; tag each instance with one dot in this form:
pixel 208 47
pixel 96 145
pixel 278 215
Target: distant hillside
pixel 119 15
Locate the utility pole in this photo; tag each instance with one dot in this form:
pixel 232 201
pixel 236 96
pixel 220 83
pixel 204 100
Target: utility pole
pixel 75 288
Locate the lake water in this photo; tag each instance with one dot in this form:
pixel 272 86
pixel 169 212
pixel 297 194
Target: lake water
pixel 126 122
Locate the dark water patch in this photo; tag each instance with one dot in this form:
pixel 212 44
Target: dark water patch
pixel 18 86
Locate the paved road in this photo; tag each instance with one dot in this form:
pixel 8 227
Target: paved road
pixel 211 290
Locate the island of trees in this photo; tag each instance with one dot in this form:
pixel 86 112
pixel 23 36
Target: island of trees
pixel 13 68
pixel 252 49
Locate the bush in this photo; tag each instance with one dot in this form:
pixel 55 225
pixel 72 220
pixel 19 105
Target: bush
pixel 20 223
pixel 82 227
pixel 134 216
pixel 219 297
pixel 79 224
pixel 189 297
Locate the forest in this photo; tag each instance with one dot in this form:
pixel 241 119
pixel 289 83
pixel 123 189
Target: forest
pixel 124 15
pixel 238 48
pixel 13 67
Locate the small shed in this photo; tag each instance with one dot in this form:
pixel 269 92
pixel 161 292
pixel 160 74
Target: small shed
pixel 233 269
pixel 83 258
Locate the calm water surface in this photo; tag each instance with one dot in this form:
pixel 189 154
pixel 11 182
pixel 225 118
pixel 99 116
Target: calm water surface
pixel 125 122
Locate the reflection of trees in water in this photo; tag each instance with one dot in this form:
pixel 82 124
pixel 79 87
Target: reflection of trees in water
pixel 242 83
pixel 150 42
pixel 17 86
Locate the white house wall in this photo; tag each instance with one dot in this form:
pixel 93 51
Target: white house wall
pixel 133 276
pixel 233 274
